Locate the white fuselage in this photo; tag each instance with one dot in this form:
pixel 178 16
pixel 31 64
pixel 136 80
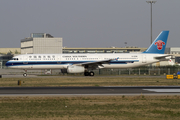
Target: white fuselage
pixel 62 61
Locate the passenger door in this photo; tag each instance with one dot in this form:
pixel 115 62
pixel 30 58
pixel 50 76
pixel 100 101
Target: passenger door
pixel 59 59
pixel 144 60
pixel 25 60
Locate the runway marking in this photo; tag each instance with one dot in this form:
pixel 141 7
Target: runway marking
pixel 163 90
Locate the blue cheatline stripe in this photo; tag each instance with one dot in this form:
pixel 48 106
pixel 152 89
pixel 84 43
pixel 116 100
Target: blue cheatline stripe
pixel 15 63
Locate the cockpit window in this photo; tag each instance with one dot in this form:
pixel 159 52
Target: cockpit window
pixel 14 58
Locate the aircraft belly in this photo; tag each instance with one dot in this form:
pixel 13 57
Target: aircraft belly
pixel 13 67
pixel 38 67
pixel 47 66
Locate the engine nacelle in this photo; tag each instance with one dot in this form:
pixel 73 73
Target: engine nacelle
pixel 75 69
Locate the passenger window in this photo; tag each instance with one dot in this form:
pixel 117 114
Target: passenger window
pixel 39 56
pixel 35 56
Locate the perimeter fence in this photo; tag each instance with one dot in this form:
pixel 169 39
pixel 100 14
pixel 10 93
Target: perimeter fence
pixel 145 70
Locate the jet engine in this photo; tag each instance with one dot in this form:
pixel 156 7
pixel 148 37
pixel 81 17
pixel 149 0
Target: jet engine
pixel 75 69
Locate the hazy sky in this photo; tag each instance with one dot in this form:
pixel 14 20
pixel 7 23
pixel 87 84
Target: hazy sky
pixel 89 23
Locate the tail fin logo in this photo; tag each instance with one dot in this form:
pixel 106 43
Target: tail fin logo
pixel 159 44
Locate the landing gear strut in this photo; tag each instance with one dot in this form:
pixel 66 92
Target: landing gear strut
pixel 91 73
pixel 25 73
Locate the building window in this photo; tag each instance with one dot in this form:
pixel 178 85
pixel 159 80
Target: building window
pixel 37 35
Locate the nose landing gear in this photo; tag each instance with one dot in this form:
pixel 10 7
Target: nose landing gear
pixel 25 73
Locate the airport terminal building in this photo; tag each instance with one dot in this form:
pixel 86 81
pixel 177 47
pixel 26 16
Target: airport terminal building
pixel 41 43
pixel 103 50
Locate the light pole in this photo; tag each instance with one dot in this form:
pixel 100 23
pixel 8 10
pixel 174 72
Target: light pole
pixel 151 2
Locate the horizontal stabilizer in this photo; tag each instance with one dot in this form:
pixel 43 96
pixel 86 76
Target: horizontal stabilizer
pixel 163 58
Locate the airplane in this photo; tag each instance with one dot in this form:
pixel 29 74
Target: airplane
pixel 86 63
pixel 172 63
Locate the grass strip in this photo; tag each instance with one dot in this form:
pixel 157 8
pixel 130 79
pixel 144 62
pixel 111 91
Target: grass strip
pixel 90 81
pixel 90 108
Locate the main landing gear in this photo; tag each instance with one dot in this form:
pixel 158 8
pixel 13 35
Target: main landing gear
pixel 91 73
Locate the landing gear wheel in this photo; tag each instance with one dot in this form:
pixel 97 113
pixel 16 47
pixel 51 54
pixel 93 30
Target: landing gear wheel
pixel 25 74
pixel 91 73
pixel 86 73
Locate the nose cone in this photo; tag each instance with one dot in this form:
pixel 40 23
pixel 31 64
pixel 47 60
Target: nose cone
pixel 11 64
pixel 7 64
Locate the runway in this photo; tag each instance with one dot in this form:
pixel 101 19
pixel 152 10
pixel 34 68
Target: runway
pixel 44 91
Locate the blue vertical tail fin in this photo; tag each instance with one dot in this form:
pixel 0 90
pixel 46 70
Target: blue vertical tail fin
pixel 159 44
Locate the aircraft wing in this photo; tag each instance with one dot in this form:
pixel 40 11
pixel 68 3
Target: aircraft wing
pixel 95 63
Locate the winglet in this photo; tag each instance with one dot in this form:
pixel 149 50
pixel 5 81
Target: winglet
pixel 159 44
